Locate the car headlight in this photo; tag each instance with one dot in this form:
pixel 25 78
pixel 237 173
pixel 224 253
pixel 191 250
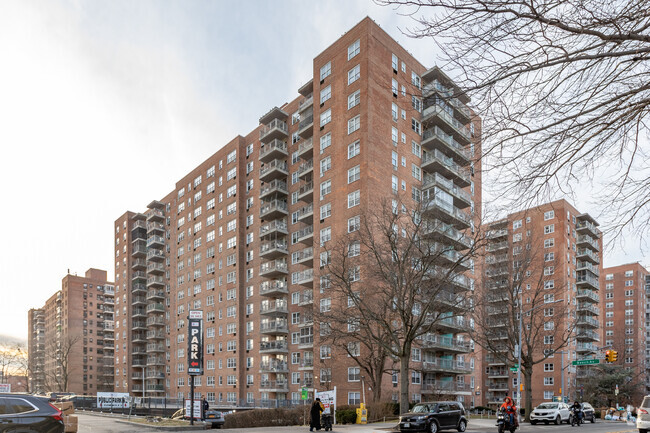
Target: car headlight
pixel 421 417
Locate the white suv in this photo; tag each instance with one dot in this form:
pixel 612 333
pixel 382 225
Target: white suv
pixel 547 412
pixel 643 415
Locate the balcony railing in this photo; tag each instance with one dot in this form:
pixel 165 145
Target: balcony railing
pixel 438 133
pixel 436 179
pixel 273 125
pixel 435 156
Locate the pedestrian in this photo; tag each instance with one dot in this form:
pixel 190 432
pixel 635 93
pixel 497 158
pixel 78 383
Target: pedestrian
pixel 205 406
pixel 314 414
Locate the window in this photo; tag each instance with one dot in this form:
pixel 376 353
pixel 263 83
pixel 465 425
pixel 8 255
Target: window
pixel 354 174
pixel 416 149
pixel 354 49
pixel 326 117
pixel 416 103
pixel 416 172
pixel 325 141
pixel 325 235
pixel 354 99
pixel 325 188
pixel 629 283
pixel 415 79
pixel 549 380
pixel 394 62
pixel 325 71
pixel 354 198
pixel 354 398
pixel 325 94
pixel 415 126
pixel 548 243
pixel 394 111
pixel 354 223
pixel 548 257
pixel 326 211
pixel 354 74
pixel 394 136
pixel 548 339
pixel 550 284
pixel 516 224
pixel 549 229
pixel 354 249
pixel 325 165
pixel 354 149
pixel 549 215
pixel 549 367
pixel 394 87
pixel 354 124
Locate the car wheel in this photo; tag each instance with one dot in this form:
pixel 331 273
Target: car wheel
pixel 593 418
pixel 642 430
pixel 462 425
pixel 558 420
pixel 433 427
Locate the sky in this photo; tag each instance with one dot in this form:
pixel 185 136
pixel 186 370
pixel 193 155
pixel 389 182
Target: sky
pixel 105 105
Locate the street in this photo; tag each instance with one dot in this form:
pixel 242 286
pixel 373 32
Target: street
pixel 103 424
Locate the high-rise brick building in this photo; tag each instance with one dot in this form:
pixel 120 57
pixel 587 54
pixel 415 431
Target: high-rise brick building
pixel 623 308
pixel 564 248
pixel 240 236
pixel 71 338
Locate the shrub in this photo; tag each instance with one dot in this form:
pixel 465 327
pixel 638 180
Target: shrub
pixel 267 417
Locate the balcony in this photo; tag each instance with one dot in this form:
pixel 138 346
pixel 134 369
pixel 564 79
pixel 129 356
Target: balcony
pixel 306 126
pixel 585 279
pixel 155 281
pixel 587 254
pixel 306 235
pixel 155 321
pixel 306 192
pixel 276 346
pixel 138 337
pixel 446 344
pixel 453 302
pixel 274 386
pixel 587 334
pixel 306 298
pixel 497 234
pixel 497 259
pixel 275 129
pixel 446 366
pixel 587 296
pixel 308 364
pixel 306 342
pixel 275 169
pixel 306 169
pixel 586 348
pixel 462 198
pixel 436 115
pixel 155 255
pixel 447 213
pixel 446 233
pixel 587 321
pixel 155 227
pixel 436 139
pixel 140 224
pixel 305 103
pixel 278 307
pixel 139 312
pixel 493 360
pixel 587 266
pixel 273 209
pixel 306 149
pixel 276 149
pixel 588 308
pixel 498 373
pixel 156 348
pixel 139 248
pixel 588 228
pixel 453 324
pixel 498 386
pixel 155 242
pixel 273 228
pixel 155 215
pixel 155 335
pixel 274 288
pixel 274 327
pixel 304 278
pixel 138 275
pixel 274 366
pixel 155 295
pixel 138 288
pixel 274 268
pixel 305 256
pixel 273 248
pixel 139 264
pixel 588 242
pixel 139 324
pixel 437 162
pixel 306 214
pixel 156 268
pixel 138 300
pixel 276 186
pixel 447 95
pixel 307 320
pixel 155 308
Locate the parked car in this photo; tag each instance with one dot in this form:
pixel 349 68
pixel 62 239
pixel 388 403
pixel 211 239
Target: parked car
pixel 643 415
pixel 215 417
pixel 434 416
pixel 588 413
pixel 550 412
pixel 29 414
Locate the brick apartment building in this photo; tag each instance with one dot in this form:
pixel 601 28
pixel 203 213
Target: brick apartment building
pixel 623 308
pixel 240 236
pixel 72 336
pixel 564 248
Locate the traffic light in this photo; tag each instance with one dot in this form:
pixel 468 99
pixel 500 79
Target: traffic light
pixel 614 355
pixel 608 355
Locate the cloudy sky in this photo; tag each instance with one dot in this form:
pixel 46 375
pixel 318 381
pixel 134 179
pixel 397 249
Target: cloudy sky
pixel 104 105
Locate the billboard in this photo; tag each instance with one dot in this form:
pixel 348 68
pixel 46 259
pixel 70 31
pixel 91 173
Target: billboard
pixel 328 398
pixel 113 400
pixel 195 343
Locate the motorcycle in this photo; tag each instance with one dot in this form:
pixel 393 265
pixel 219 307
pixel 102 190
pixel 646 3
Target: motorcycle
pixel 576 417
pixel 503 422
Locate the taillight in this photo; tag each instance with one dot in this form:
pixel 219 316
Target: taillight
pixel 642 411
pixel 58 416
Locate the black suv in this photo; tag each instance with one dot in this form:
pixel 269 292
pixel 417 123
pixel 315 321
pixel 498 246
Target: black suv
pixel 434 416
pixel 28 414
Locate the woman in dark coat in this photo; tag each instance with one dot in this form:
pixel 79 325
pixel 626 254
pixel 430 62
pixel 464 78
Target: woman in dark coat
pixel 314 414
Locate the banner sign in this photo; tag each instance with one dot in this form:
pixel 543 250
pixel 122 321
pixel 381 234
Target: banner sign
pixel 113 400
pixel 328 398
pixel 5 387
pixel 195 343
pixel 197 408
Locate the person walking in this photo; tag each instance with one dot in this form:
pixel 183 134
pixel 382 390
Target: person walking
pixel 205 407
pixel 314 414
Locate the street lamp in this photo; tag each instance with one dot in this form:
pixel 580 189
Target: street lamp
pixel 363 390
pixel 521 315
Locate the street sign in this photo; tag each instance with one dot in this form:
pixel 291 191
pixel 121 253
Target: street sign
pixel 514 368
pixel 586 362
pixel 195 343
pixel 304 394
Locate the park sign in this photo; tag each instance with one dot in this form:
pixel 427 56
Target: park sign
pixel 586 362
pixel 195 343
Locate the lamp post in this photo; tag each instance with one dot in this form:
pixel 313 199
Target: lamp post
pixel 363 390
pixel 521 315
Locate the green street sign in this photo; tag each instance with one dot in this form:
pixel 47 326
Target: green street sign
pixel 305 394
pixel 586 362
pixel 514 368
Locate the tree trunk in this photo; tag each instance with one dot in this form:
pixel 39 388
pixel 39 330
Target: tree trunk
pixel 404 382
pixel 376 386
pixel 528 380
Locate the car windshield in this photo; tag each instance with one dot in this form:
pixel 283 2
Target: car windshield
pixel 547 406
pixel 420 408
pixel 646 402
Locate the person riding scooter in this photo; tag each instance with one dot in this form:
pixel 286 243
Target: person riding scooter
pixel 510 409
pixel 576 408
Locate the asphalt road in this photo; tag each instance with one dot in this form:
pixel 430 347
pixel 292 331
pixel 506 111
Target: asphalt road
pixel 103 424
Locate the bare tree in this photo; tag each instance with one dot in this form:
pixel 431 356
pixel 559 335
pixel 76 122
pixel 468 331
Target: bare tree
pixel 563 88
pixel 60 370
pixel 520 294
pixel 394 283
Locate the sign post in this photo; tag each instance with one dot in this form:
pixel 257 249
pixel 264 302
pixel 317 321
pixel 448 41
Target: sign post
pixel 194 352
